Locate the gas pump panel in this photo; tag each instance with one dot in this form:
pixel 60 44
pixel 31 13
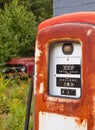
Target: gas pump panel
pixel 65 69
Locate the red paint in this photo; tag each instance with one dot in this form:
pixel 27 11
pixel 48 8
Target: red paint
pixel 26 61
pixel 83 107
pixel 79 17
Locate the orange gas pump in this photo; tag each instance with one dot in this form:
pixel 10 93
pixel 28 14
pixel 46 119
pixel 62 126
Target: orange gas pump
pixel 64 80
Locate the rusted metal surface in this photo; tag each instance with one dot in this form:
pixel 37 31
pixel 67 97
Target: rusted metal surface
pixel 49 121
pixel 82 108
pixel 77 17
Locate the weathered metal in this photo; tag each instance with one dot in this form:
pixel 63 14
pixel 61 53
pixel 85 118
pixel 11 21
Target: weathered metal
pixel 57 112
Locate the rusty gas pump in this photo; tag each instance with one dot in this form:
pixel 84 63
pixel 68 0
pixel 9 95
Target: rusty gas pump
pixel 64 80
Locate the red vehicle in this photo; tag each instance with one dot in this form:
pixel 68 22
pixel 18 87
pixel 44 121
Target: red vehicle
pixel 21 67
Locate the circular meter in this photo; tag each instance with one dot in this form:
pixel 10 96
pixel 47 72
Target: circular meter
pixel 67 48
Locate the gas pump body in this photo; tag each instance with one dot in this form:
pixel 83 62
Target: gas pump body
pixel 65 75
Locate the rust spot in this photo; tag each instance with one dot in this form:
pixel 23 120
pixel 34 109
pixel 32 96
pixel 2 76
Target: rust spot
pixel 79 121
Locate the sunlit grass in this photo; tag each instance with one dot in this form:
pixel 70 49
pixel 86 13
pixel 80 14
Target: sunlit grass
pixel 13 101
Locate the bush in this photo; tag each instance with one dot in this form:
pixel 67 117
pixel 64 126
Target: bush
pixel 17 31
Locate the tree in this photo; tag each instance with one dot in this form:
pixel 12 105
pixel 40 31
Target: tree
pixel 17 31
pixel 43 9
pixel 2 3
pixel 18 25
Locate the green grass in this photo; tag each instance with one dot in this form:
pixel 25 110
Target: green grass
pixel 13 100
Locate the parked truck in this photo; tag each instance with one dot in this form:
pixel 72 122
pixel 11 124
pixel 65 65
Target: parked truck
pixel 19 67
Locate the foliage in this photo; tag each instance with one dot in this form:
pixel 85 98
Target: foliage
pixel 18 26
pixel 43 9
pixel 12 104
pixel 4 108
pixel 17 31
pixel 26 3
pixel 3 83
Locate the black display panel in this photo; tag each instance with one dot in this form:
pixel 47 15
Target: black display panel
pixel 68 82
pixel 71 92
pixel 68 69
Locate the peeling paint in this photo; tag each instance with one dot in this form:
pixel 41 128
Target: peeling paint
pixel 89 32
pixel 38 52
pixel 46 30
pixel 51 121
pixel 41 88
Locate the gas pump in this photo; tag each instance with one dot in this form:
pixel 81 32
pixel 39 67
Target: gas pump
pixel 64 79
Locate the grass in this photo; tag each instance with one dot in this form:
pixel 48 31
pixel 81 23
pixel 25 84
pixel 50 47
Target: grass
pixel 13 100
